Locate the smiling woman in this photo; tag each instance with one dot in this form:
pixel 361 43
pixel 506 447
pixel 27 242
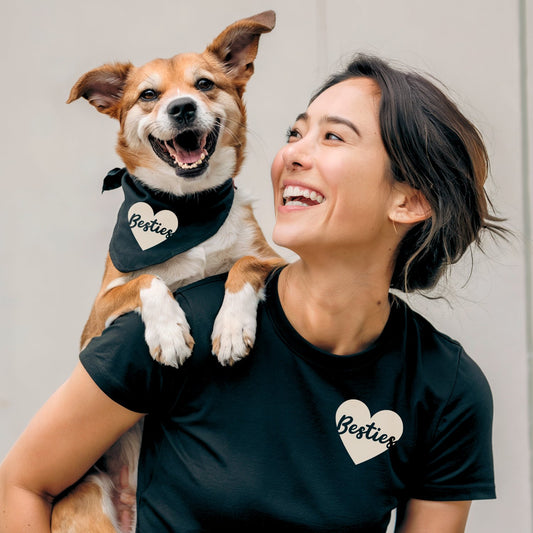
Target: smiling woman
pixel 400 173
pixel 350 404
pixel 335 150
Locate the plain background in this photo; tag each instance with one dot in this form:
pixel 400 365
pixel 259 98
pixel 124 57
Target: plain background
pixel 56 224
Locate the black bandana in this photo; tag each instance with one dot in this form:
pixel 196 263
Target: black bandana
pixel 153 226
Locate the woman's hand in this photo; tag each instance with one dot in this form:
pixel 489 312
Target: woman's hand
pixel 124 501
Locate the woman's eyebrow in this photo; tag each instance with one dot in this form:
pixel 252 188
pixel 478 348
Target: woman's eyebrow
pixel 340 120
pixel 331 119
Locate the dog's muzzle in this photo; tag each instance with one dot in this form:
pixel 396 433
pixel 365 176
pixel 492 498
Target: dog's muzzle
pixel 189 151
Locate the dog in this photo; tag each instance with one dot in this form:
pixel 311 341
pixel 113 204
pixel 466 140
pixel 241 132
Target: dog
pixel 182 139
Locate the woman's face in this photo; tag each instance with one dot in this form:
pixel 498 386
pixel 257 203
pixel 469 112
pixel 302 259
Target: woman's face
pixel 332 185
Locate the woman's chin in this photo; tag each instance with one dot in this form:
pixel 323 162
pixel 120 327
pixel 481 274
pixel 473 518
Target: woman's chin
pixel 286 236
pixel 295 240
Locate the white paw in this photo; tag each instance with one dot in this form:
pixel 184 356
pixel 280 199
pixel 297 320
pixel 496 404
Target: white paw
pixel 167 331
pixel 235 325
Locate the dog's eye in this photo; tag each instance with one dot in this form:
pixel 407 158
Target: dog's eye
pixel 149 95
pixel 203 84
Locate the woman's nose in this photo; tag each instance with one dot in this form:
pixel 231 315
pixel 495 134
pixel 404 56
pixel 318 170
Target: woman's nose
pixel 296 155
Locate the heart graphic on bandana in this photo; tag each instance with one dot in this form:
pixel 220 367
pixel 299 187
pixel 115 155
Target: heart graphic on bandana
pixel 365 436
pixel 151 229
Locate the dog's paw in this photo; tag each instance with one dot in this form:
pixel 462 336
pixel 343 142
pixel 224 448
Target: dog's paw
pixel 170 344
pixel 167 331
pixel 235 325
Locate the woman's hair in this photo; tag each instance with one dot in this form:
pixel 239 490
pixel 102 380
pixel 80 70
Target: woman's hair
pixel 435 149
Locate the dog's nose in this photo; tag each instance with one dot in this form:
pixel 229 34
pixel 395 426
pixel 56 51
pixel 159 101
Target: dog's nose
pixel 183 111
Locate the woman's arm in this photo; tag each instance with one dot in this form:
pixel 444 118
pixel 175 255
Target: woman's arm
pixel 422 516
pixel 65 438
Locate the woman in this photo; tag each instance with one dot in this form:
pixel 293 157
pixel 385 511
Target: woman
pixel 350 404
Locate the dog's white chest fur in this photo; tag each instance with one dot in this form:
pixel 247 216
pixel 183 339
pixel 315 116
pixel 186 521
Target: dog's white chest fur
pixel 215 255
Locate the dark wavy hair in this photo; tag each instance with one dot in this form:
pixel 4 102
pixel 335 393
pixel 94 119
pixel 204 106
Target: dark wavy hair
pixel 434 148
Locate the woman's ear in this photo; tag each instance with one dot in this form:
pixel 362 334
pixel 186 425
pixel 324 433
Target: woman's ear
pixel 410 206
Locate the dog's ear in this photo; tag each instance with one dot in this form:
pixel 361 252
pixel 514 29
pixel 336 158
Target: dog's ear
pixel 103 87
pixel 236 47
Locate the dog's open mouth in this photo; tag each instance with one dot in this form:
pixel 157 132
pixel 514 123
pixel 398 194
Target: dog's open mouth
pixel 189 152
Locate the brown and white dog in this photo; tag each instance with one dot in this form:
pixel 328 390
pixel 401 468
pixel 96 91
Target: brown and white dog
pixel 182 132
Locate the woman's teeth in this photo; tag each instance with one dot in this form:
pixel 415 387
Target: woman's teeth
pixel 294 195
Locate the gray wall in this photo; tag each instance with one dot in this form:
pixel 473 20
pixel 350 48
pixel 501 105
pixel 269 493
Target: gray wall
pixel 56 224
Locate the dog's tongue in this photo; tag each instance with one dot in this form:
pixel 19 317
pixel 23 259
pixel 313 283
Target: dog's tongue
pixel 187 155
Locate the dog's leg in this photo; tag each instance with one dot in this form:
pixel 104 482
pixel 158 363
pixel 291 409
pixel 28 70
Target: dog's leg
pixel 87 507
pixel 167 331
pixel 235 325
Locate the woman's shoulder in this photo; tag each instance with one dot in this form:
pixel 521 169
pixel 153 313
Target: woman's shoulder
pixel 202 299
pixel 207 285
pixel 443 357
pixel 210 288
pixel 430 339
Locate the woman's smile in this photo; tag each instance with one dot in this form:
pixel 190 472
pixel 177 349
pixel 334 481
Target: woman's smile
pixel 296 195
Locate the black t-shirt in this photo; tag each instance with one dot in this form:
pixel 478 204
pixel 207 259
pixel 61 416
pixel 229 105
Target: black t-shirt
pixel 294 438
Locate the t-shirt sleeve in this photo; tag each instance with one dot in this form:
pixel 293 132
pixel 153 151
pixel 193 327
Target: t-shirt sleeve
pixel 459 462
pixel 120 364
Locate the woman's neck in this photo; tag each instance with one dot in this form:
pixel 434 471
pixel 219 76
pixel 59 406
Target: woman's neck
pixel 341 311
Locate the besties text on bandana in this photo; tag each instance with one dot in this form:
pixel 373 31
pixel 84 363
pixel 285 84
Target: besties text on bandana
pixel 153 226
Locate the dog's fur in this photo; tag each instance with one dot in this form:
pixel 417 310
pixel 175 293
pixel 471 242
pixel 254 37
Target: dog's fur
pixel 141 100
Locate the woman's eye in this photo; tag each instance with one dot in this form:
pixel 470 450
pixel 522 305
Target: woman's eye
pixel 203 84
pixel 292 134
pixel 333 137
pixel 149 95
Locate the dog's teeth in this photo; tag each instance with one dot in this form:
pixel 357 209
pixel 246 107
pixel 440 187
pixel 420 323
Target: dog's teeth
pixel 188 166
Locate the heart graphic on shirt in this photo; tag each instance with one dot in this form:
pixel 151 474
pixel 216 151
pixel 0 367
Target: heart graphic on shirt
pixel 365 436
pixel 148 229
